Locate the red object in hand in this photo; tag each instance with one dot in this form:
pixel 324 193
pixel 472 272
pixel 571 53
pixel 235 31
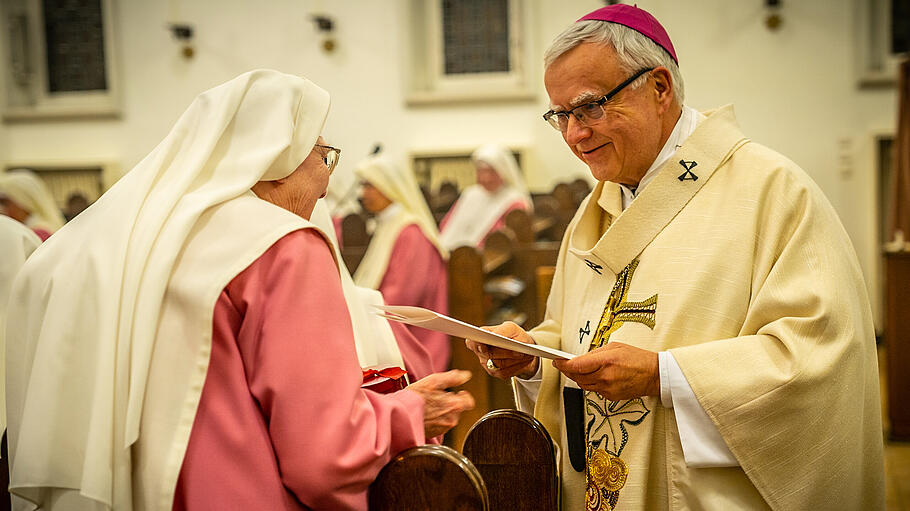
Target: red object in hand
pixel 386 380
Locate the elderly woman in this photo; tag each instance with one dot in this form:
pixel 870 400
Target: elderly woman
pixel 197 351
pixel 405 260
pixel 482 208
pixel 25 198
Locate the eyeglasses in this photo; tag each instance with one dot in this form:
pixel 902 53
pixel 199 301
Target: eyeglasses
pixel 331 157
pixel 589 113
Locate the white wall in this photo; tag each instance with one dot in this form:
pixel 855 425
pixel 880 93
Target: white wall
pixel 794 89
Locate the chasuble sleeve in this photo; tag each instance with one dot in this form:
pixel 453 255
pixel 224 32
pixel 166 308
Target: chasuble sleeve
pixel 797 389
pixel 330 437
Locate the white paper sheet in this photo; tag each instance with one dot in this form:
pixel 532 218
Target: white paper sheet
pixel 425 318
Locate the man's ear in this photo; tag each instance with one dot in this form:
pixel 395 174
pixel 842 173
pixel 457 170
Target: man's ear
pixel 663 85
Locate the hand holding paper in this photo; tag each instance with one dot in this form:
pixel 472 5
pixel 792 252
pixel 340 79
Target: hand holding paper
pixel 426 318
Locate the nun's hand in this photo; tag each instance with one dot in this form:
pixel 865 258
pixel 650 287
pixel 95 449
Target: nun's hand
pixel 441 408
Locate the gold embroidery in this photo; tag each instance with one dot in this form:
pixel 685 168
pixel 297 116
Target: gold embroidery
pixel 618 311
pixel 605 471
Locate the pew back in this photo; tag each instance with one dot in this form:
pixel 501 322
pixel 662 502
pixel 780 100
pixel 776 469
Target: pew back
pixel 516 457
pixel 429 477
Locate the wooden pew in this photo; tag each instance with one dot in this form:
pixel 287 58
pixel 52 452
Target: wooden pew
pixel 354 240
pixel 508 463
pixel 486 288
pixel 517 459
pixel 442 202
pixel 544 282
pixel 547 207
pixel 429 477
pixel 468 272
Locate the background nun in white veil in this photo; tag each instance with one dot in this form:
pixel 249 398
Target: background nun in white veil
pixel 482 208
pixel 25 198
pixel 405 260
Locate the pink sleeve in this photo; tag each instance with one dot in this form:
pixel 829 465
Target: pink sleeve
pixel 330 437
pixel 412 256
pixel 502 219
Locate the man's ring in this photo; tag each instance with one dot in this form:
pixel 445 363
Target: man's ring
pixel 490 365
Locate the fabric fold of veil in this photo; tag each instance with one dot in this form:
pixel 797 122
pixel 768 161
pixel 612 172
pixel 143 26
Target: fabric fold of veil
pixel 398 185
pixel 88 302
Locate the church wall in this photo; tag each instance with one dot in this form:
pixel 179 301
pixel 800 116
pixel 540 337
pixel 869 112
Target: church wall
pixel 794 89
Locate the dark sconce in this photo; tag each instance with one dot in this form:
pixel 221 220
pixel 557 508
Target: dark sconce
pixel 773 20
pixel 325 25
pixel 184 34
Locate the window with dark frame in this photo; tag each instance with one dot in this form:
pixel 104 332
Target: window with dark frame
pixel 476 36
pixel 74 39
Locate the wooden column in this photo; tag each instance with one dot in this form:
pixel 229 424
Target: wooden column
pixel 897 342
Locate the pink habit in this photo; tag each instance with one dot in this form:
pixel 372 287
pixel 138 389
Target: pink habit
pixel 282 423
pixel 416 275
pixel 499 224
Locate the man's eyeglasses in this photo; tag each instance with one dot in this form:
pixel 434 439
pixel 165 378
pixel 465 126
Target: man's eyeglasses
pixel 331 156
pixel 589 113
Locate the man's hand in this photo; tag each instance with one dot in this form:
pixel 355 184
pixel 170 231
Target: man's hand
pixel 615 371
pixel 441 408
pixel 506 363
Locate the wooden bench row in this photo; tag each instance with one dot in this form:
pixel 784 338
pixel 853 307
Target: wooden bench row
pixel 508 463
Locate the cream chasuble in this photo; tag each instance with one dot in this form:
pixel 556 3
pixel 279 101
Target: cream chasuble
pixel 734 261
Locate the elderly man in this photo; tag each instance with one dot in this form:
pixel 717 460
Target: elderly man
pixel 186 344
pixel 724 342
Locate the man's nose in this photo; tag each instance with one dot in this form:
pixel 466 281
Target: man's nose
pixel 576 131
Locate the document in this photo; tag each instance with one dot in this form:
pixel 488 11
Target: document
pixel 425 318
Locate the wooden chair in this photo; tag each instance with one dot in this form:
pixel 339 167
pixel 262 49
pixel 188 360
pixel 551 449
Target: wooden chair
pixel 516 457
pixel 429 477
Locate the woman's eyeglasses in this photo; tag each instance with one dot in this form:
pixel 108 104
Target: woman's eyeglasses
pixel 331 156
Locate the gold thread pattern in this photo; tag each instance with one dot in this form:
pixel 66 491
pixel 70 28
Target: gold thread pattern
pixel 605 472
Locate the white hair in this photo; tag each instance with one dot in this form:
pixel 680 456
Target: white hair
pixel 633 49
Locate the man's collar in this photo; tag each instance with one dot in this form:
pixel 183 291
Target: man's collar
pixel 685 125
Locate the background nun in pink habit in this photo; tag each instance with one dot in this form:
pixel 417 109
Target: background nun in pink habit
pixel 482 208
pixel 25 198
pixel 196 351
pixel 405 260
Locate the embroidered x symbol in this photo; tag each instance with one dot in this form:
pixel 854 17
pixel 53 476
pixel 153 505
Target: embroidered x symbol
pixel 594 266
pixel 688 174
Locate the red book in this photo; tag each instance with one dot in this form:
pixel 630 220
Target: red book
pixel 385 380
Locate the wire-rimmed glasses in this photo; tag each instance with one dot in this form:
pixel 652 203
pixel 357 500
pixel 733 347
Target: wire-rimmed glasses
pixel 331 156
pixel 589 113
